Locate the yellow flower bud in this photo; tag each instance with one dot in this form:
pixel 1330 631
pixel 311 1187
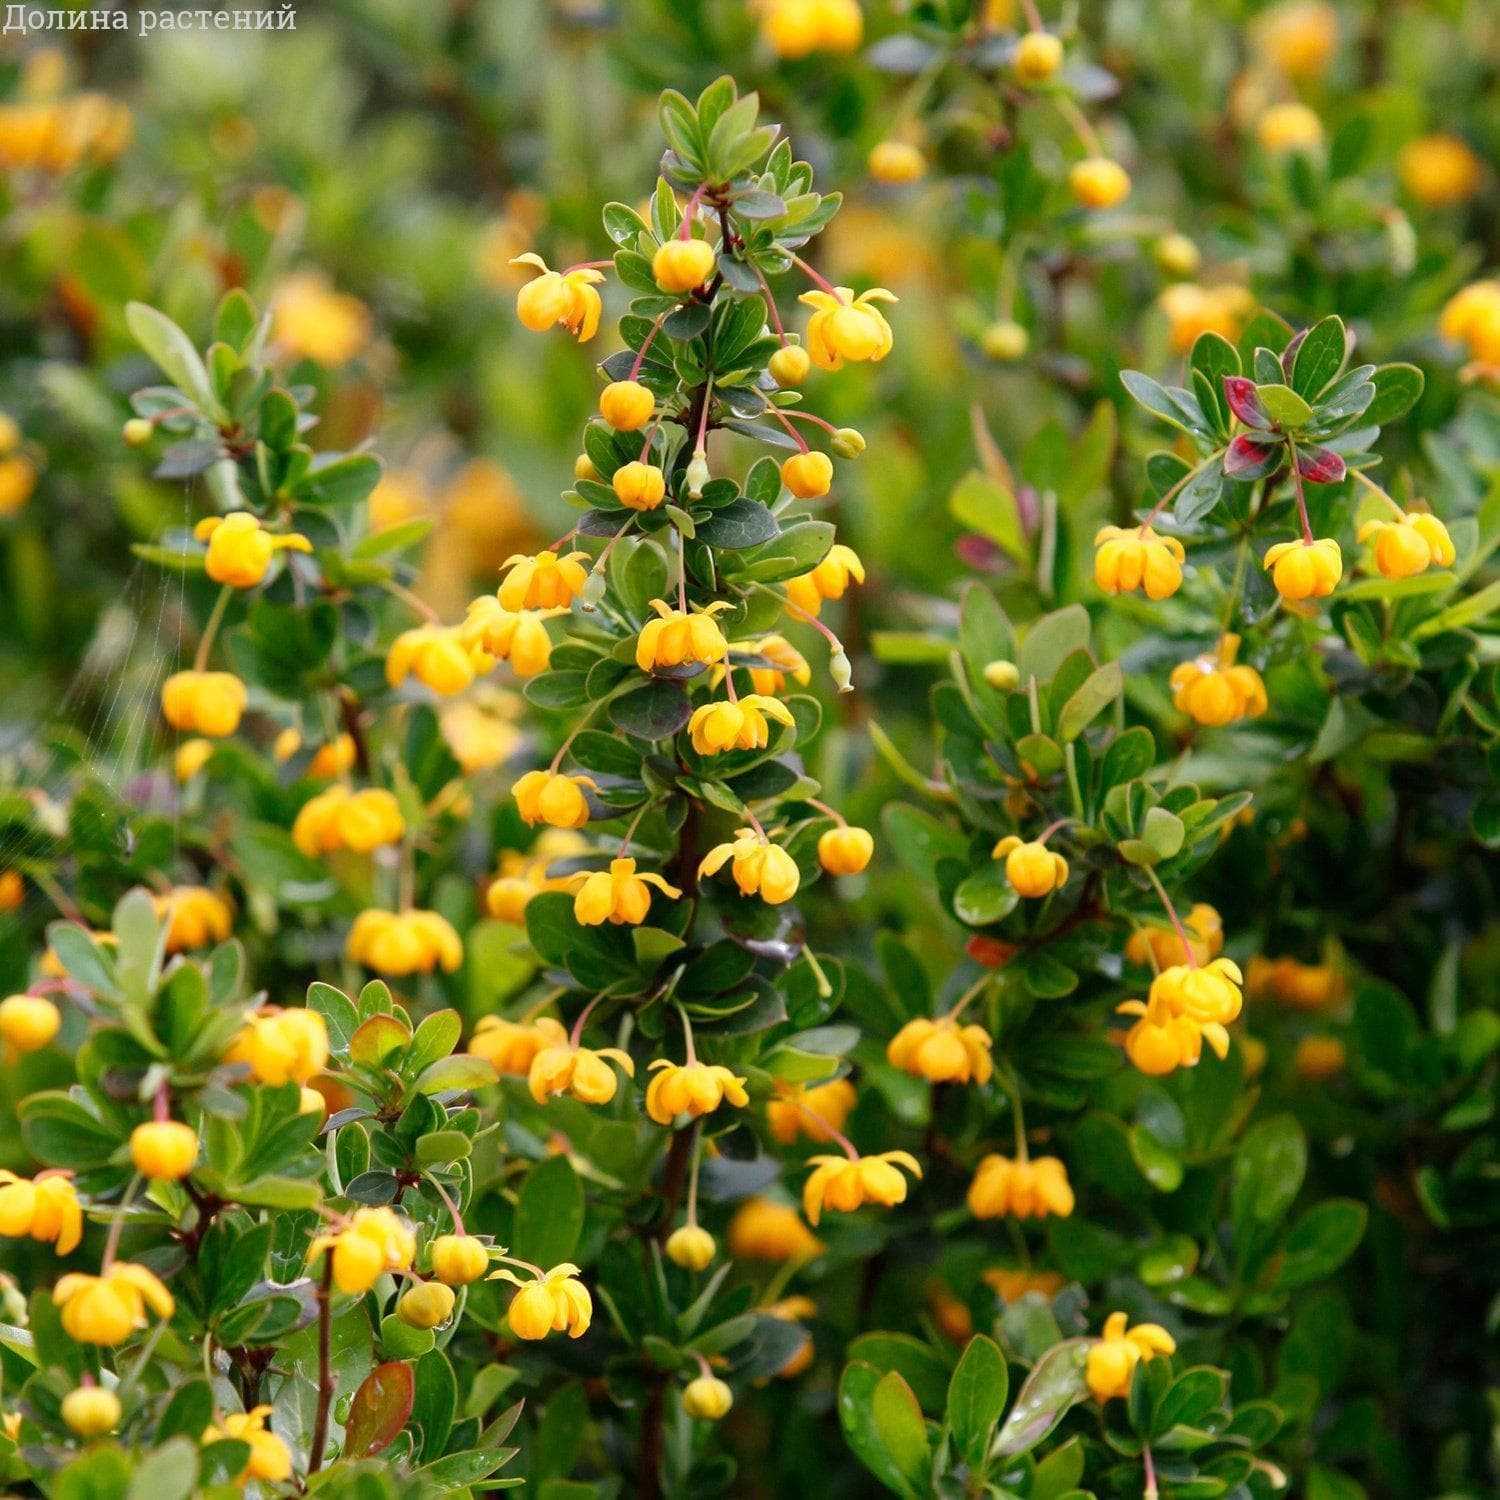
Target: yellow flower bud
pixel 789 365
pixel 137 432
pixel 1319 1058
pixel 626 405
pixel 1289 127
pixel 1003 676
pixel 639 486
pixel 896 162
pixel 690 1247
pixel 458 1259
pixel 164 1150
pixel 28 1022
pixel 583 467
pixel 91 1411
pixel 192 755
pixel 1032 869
pixel 707 1399
pixel 808 475
pixel 1439 170
pixel 763 1230
pixel 372 1242
pixel 206 703
pixel 845 850
pixel 426 1305
pixel 1305 570
pixel 1098 182
pixel 1177 256
pixel 240 549
pixel 1038 56
pixel 681 265
pixel 1005 341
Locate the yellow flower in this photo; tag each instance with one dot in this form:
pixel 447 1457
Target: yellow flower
pixel 896 161
pixel 691 1088
pixel 556 1302
pixel 797 28
pixel 942 1051
pixel 1439 170
pixel 45 1208
pixel 1289 127
pixel 1299 37
pixel 481 732
pixel 1319 1058
pixel 510 1047
pixel 240 549
pixel 406 942
pixel 759 866
pixel 844 326
pixel 1158 945
pixel 1302 986
pixel 106 1309
pixel 1004 341
pixel 815 1112
pixel 675 638
pixel 1472 317
pixel 371 1242
pixel 553 798
pixel 1010 1284
pixel 1037 57
pixel 1210 689
pixel 1177 255
pixel 196 917
pixel 566 297
pixel 192 755
pixel 1303 570
pixel 583 1072
pixel 340 818
pixel 789 366
pixel 736 725
pixel 491 631
pixel 681 265
pixel 164 1150
pixel 1162 1041
pixel 707 1398
pixel 690 1247
pixel 1210 993
pixel 1409 546
pixel 829 580
pixel 12 890
pixel 401 495
pixel 782 660
pixel 1130 557
pixel 459 1259
pixel 207 703
pixel 617 895
pixel 281 1046
pixel 521 876
pixel 808 475
pixel 626 405
pixel 28 1022
pixel 1032 869
pixel 1031 1189
pixel 764 1230
pixel 1098 182
pixel 441 657
pixel 332 759
pixel 270 1458
pixel 639 486
pixel 1113 1358
pixel 91 1411
pixel 312 321
pixel 17 481
pixel 1192 310
pixel 795 1310
pixel 845 850
pixel 844 1184
pixel 428 1304
pixel 546 581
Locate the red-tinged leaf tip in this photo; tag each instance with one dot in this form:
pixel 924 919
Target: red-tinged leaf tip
pixel 1244 402
pixel 380 1409
pixel 1320 465
pixel 1246 458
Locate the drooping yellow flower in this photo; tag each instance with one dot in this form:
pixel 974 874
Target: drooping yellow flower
pixel 553 798
pixel 371 1242
pixel 1113 1358
pixel 808 475
pixel 440 657
pixel 1302 986
pixel 557 1302
pixel 1404 548
pixel 740 724
pixel 814 1112
pixel 1010 1283
pixel 759 867
pixel 845 850
pixel 106 1309
pixel 1098 182
pixel 843 1183
pixel 1305 570
pixel 1208 993
pixel 1192 310
pixel 91 1411
pixel 1211 689
pixel 546 581
pixel 565 297
pixel 1298 38
pixel 341 818
pixel 582 1072
pixel 1161 1041
pixel 618 895
pixel 164 1150
pixel 846 327
pixel 522 875
pixel 681 265
pixel 1032 869
pixel 942 1051
pixel 270 1458
pixel 206 703
pixel 1158 945
pixel 1289 127
pixel 196 917
pixel 28 1022
pixel 481 730
pixel 626 405
pixel 829 580
pixel 691 1088
pixel 400 943
pixel 782 661
pixel 281 1046
pixel 1031 1189
pixel 765 1230
pixel 310 320
pixel 1439 170
pixel 1130 557
pixel 510 1047
pixel 675 638
pixel 44 1208
pixel 240 549
pixel 490 632
pixel 797 28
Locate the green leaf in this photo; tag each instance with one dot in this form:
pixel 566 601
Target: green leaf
pixel 1284 406
pixel 1267 1172
pixel 1100 690
pixel 740 524
pixel 1052 639
pixel 174 354
pixel 1320 356
pixel 379 1410
pixel 1398 388
pixel 549 1213
pixel 984 897
pixel 976 1398
pixel 1321 1241
pixel 460 1073
pixel 857 1387
pixel 1055 1385
pixel 981 503
pixel 921 1368
pixel 898 1421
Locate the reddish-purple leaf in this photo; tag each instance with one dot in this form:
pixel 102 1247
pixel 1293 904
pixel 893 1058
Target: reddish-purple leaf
pixel 1247 458
pixel 1244 402
pixel 380 1409
pixel 1320 465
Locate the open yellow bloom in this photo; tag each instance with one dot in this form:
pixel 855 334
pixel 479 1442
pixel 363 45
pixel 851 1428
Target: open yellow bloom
pixel 691 1088
pixel 618 895
pixel 1098 182
pixel 1158 945
pixel 400 943
pixel 340 818
pixel 845 850
pixel 545 581
pixel 557 1302
pixel 1031 1189
pixel 565 297
pixel 1112 1360
pixel 1404 548
pixel 758 866
pixel 553 798
pixel 196 917
pixel 1162 1041
pixel 675 638
pixel 1289 127
pixel 844 326
pixel 481 731
pixel 510 1047
pixel 206 703
pixel 782 661
pixel 1210 689
pixel 844 1184
pixel 240 549
pixel 1130 557
pixel 1192 310
pixel 372 1242
pixel 797 28
pixel 829 580
pixel 762 1229
pixel 582 1072
pixel 438 656
pixel 310 320
pixel 44 1208
pixel 1209 993
pixel 522 875
pixel 736 725
pixel 1439 170
pixel 281 1046
pixel 1032 869
pixel 28 1022
pixel 106 1309
pixel 813 1111
pixel 270 1458
pixel 490 632
pixel 1305 570
pixel 942 1051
